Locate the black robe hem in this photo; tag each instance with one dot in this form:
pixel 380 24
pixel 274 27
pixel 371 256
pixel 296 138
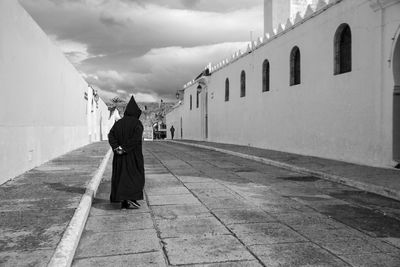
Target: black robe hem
pixel 137 196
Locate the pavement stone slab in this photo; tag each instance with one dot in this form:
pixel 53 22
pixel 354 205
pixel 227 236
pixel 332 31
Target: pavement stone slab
pixel 191 226
pixel 40 204
pixel 225 203
pixel 29 230
pixel 274 236
pixel 383 246
pixel 348 211
pixel 250 175
pixel 216 193
pixel 352 246
pixel 156 171
pixel 250 188
pixel 382 226
pixel 172 212
pixel 241 216
pixel 321 233
pixel 365 199
pixel 111 209
pixel 205 250
pixel 295 254
pixel 102 197
pixel 225 163
pixel 393 241
pixel 121 222
pixel 169 190
pixel 117 243
pixel 172 200
pixel 301 219
pixel 282 208
pixel 36 257
pixel 210 185
pixel 160 177
pixel 265 233
pixel 372 260
pixel 228 264
pixel 154 259
pixel 195 179
pixel 161 184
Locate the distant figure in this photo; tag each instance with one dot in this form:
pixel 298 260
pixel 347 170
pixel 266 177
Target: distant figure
pixel 125 139
pixel 172 129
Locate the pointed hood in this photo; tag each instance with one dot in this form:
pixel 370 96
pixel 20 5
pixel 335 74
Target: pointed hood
pixel 132 109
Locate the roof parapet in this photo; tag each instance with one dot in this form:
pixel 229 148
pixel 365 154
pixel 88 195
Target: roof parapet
pixel 291 23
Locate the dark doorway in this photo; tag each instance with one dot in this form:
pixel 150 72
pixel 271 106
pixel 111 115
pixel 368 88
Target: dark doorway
pixel 181 129
pixel 206 117
pixel 396 102
pixel 295 66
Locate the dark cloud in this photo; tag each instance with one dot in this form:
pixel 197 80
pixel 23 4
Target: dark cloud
pixel 190 3
pixel 139 45
pixel 110 21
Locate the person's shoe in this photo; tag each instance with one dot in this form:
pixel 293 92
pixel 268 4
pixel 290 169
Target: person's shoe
pixel 132 204
pixel 137 203
pixel 124 204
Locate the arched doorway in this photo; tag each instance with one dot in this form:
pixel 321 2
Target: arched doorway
pixel 396 101
pixel 181 128
pixel 206 116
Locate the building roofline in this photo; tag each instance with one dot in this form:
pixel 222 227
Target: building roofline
pixel 282 29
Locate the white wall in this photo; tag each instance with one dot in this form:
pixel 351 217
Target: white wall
pixel 278 11
pixel 346 117
pixel 44 112
pixel 104 121
pixel 191 130
pixel 173 118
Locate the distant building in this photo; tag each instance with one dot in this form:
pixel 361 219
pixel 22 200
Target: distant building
pixel 153 119
pixel 324 80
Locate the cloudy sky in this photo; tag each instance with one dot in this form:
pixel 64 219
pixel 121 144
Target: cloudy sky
pixel 149 48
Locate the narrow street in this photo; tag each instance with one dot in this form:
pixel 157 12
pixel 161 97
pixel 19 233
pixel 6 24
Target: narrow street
pixel 206 208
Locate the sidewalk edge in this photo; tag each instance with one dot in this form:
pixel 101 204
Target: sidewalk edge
pixel 68 244
pixel 380 190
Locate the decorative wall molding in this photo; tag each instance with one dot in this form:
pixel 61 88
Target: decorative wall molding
pixel 381 4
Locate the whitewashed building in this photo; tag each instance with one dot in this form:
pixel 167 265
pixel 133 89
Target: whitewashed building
pixel 324 81
pixel 47 108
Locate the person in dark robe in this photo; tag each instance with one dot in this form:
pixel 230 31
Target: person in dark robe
pixel 172 129
pixel 125 139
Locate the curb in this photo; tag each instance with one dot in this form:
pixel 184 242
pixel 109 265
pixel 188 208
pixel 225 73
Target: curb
pixel 66 248
pixel 380 190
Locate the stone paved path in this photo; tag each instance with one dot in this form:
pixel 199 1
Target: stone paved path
pixel 206 208
pixel 383 181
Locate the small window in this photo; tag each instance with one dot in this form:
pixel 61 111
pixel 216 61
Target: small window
pixel 342 53
pixel 295 66
pixel 197 99
pixel 242 84
pixel 265 76
pixel 190 102
pixel 227 89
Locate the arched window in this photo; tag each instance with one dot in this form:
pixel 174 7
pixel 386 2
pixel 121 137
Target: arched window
pixel 197 99
pixel 242 84
pixel 190 102
pixel 295 66
pixel 265 76
pixel 227 89
pixel 342 53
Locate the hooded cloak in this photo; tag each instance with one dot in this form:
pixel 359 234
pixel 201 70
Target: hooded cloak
pixel 127 179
